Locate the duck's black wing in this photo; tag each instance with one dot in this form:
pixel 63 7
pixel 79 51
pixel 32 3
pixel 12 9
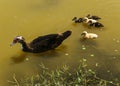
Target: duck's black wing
pixel 43 42
pixel 47 42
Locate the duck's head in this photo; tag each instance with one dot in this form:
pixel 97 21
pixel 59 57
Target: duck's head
pixel 88 16
pixel 83 33
pixel 17 39
pixel 85 20
pixel 80 20
pixel 90 22
pixel 75 18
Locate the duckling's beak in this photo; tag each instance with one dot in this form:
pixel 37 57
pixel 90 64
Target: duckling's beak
pixel 82 34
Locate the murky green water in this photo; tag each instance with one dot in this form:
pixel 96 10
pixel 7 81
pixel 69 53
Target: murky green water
pixel 31 18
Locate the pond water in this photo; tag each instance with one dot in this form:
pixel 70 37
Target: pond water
pixel 32 18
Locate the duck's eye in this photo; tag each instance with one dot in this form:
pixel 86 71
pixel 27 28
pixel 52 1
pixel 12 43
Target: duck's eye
pixel 15 40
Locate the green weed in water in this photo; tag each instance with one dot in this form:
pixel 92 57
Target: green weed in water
pixel 82 76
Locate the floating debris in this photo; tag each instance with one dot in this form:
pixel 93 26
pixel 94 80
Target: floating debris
pixel 66 54
pixel 84 60
pixel 114 57
pixel 83 47
pixel 111 82
pixel 116 50
pixel 90 70
pixel 108 71
pixel 114 39
pixel 92 55
pixel 96 64
pixel 27 59
pixel 118 41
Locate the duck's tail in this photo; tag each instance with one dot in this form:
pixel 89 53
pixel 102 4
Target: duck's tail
pixel 66 34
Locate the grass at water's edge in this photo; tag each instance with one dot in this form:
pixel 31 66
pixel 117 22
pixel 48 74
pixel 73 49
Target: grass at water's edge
pixel 82 76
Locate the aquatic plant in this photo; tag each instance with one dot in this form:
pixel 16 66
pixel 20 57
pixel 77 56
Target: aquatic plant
pixel 82 76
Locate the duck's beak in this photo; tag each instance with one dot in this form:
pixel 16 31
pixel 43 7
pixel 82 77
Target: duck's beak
pixel 12 44
pixel 60 34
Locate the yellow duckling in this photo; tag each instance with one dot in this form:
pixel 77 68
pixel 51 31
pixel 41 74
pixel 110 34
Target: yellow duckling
pixel 87 35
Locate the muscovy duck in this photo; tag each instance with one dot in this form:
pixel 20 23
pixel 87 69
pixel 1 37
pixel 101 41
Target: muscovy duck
pixel 87 35
pixel 42 43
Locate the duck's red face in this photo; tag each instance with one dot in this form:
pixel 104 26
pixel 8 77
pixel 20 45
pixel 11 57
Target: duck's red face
pixel 16 40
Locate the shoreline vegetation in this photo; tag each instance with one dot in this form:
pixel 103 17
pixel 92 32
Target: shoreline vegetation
pixel 82 76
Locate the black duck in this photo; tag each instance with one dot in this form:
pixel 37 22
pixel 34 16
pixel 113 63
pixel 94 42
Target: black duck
pixel 42 43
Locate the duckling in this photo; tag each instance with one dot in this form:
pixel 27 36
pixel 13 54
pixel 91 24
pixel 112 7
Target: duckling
pixel 93 17
pixel 77 20
pixel 95 23
pixel 87 35
pixel 87 20
pixel 92 22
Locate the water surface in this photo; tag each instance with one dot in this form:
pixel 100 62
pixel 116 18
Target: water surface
pixel 40 17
